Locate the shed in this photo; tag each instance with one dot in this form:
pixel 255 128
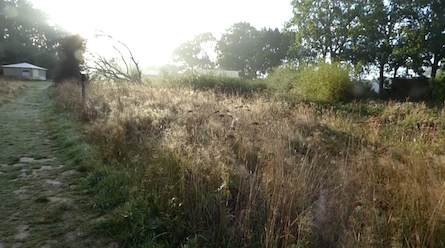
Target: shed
pixel 25 70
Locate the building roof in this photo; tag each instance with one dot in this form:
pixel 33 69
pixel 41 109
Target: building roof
pixel 24 66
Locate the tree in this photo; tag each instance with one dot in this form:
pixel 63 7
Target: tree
pixel 252 52
pixel 122 66
pixel 237 49
pixel 71 53
pixel 321 28
pixel 25 35
pixel 426 34
pixel 196 53
pixel 273 49
pixel 376 35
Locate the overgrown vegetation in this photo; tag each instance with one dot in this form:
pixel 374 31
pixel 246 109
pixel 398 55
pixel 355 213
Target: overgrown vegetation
pixel 225 85
pixel 322 83
pixel 10 90
pixel 437 88
pixel 186 168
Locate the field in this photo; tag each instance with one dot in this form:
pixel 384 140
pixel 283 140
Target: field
pixel 182 167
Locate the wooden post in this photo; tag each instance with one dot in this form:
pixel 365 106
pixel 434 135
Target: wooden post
pixel 84 80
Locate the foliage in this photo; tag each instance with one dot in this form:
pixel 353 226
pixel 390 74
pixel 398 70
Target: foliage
pixel 196 53
pixel 322 28
pixel 284 80
pixel 437 86
pixel 26 36
pixel 322 82
pixel 425 35
pixel 237 51
pixel 272 49
pixel 225 85
pixel 387 34
pixel 71 62
pixel 326 82
pixel 252 52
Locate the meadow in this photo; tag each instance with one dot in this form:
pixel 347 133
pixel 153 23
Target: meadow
pixel 187 166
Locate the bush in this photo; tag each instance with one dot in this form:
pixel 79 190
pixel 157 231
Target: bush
pixel 283 81
pixel 437 87
pixel 324 82
pixel 224 85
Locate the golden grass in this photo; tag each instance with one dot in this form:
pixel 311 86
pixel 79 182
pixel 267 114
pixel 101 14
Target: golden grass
pixel 271 174
pixel 9 90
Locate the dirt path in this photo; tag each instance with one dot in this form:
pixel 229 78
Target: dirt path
pixel 39 204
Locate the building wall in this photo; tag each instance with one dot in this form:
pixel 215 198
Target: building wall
pixel 15 72
pixel 42 75
pixel 35 74
pixel 18 72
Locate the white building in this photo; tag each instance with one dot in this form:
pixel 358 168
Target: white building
pixel 24 70
pixel 218 73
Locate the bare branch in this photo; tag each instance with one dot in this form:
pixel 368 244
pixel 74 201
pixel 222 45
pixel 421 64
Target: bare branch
pixel 110 68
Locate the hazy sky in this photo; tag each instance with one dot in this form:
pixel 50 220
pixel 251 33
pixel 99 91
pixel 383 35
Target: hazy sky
pixel 153 29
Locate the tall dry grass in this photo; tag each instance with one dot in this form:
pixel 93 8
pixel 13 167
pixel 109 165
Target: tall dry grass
pixel 10 90
pixel 199 169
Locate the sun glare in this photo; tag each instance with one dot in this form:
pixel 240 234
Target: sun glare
pixel 151 29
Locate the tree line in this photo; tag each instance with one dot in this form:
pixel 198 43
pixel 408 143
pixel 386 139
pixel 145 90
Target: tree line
pixel 388 35
pixel 242 48
pixel 27 36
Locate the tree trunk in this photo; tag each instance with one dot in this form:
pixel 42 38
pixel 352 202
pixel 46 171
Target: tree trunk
pixel 435 66
pixel 381 78
pixel 395 71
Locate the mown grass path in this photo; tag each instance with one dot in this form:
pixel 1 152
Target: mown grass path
pixel 39 203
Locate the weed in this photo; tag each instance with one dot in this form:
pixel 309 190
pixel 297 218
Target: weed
pixel 42 199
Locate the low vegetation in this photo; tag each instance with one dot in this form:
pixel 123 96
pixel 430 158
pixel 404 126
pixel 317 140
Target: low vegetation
pixel 321 83
pixel 224 85
pixel 437 87
pixel 181 167
pixel 9 90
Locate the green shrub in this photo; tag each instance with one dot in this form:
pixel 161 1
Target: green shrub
pixel 437 87
pixel 283 81
pixel 326 82
pixel 224 85
pixel 323 82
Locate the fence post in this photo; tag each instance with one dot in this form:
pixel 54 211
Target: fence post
pixel 84 79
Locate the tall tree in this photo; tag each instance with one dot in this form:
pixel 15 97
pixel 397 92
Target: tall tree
pixel 426 34
pixel 25 35
pixel 196 53
pixel 71 64
pixel 376 34
pixel 273 48
pixel 321 27
pixel 237 49
pixel 252 52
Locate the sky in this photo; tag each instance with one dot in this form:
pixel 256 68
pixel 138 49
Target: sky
pixel 153 29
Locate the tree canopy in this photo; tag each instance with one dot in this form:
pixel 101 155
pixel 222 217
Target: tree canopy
pixel 386 34
pixel 71 52
pixel 196 53
pixel 27 36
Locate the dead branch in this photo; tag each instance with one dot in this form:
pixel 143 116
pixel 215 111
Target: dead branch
pixel 110 68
